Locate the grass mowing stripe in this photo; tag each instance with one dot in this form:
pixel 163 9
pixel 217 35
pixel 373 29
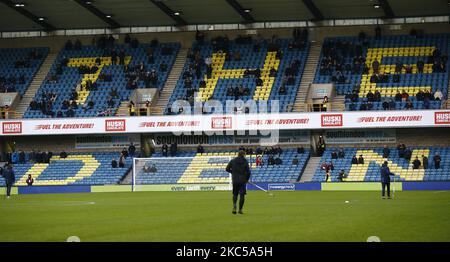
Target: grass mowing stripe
pixel 206 216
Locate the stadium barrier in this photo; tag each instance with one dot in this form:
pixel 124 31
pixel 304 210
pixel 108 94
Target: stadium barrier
pixel 220 123
pixel 317 186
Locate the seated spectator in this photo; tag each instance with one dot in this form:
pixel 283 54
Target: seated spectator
pixel 334 155
pixel 91 104
pixel 200 149
pixel 30 180
pixel 425 162
pixel 385 105
pixel 278 151
pixel 405 96
pixel 377 96
pixel 282 90
pixel 295 161
pixel 153 169
pixel 375 66
pixel 114 163
pixel 398 96
pixel 164 149
pixel 122 161
pixel 401 150
pixel 396 78
pixel 391 104
pixel 370 96
pixel 270 161
pixel 341 153
pixel 278 161
pixel 409 105
pixel 63 154
pixel 416 163
pixel 146 167
pixel 408 154
pixel 300 150
pixel 273 72
pixel 360 160
pixel 386 151
pixel 259 161
pixel 125 152
pixel 173 149
pixel 131 150
pixel 437 161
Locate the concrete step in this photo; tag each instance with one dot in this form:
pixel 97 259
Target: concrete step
pixel 171 82
pixel 123 109
pixel 35 84
pixel 307 76
pixel 310 169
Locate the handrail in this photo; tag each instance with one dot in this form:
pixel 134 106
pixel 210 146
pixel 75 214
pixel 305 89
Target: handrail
pixel 9 114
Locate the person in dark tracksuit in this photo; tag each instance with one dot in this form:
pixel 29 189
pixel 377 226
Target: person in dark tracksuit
pixel 240 174
pixel 385 179
pixel 8 174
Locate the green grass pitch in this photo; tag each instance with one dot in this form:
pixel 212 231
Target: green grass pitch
pixel 206 216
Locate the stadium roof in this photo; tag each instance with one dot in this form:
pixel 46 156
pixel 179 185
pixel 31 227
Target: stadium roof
pixel 23 15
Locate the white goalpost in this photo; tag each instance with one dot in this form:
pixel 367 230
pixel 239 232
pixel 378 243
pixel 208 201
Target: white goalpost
pixel 196 170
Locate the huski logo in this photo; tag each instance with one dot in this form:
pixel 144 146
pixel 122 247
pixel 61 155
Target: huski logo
pixel 221 123
pixel 115 125
pixel 442 118
pixel 332 120
pixel 12 127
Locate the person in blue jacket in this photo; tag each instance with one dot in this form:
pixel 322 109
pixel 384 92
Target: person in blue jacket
pixel 385 180
pixel 15 157
pixel 8 174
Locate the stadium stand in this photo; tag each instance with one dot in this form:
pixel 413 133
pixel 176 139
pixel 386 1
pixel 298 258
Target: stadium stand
pixel 192 167
pixel 413 67
pixel 373 158
pixel 86 80
pixel 237 64
pixel 79 169
pixel 18 67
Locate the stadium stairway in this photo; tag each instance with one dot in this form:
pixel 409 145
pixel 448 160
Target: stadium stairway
pixel 123 109
pixel 308 76
pixel 448 96
pixel 310 169
pixel 35 84
pixel 128 178
pixel 338 103
pixel 171 82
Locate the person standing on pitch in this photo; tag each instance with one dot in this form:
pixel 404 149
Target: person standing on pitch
pixel 240 174
pixel 8 174
pixel 385 180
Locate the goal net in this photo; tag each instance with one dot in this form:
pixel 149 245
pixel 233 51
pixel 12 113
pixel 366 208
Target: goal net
pixel 200 172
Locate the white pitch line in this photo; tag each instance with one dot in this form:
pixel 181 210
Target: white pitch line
pixel 55 203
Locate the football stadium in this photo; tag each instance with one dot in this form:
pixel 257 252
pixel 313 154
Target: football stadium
pixel 224 121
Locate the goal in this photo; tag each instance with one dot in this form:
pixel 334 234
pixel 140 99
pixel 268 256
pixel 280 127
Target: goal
pixel 196 172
